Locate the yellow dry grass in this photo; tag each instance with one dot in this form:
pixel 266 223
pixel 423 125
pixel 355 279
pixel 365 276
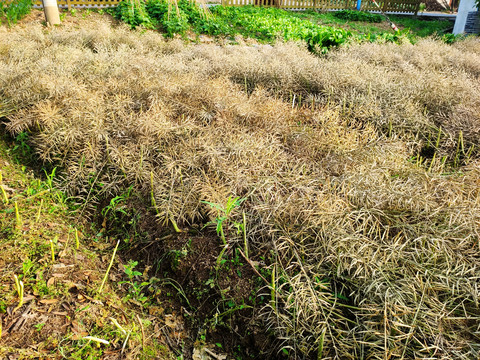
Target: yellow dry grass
pixel 335 188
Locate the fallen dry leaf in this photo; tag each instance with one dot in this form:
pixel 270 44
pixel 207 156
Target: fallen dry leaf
pixel 79 336
pixel 49 301
pixel 60 313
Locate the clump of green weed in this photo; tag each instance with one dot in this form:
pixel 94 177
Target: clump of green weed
pixel 15 10
pixel 451 38
pixel 135 287
pixel 223 218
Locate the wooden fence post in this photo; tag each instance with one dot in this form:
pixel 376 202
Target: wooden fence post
pixel 417 6
pixel 385 5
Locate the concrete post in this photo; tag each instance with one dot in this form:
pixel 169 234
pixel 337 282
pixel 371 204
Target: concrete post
pixel 50 8
pixel 464 9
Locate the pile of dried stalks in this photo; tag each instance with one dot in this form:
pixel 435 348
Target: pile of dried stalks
pixel 374 249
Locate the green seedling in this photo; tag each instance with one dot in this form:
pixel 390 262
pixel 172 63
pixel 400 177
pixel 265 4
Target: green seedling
pixel 50 177
pixel 27 266
pixel 245 243
pixel 220 256
pixel 152 195
pixel 432 162
pixel 39 212
pixel 77 242
pixel 175 226
pixel 320 344
pixel 52 249
pixel 123 331
pixel 50 185
pixel 469 153
pixel 439 136
pixel 176 286
pixel 39 326
pixel 460 141
pixel 4 194
pixel 130 270
pixel 109 267
pixel 118 326
pixel 232 308
pixel 17 217
pixel 135 287
pixel 115 204
pixel 19 287
pixel 460 148
pixel 224 214
pixel 67 242
pixel 273 289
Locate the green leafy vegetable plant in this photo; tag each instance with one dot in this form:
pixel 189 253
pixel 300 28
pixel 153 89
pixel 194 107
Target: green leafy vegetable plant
pixel 263 24
pixel 353 15
pixel 15 11
pixel 224 215
pixel 270 24
pixel 134 13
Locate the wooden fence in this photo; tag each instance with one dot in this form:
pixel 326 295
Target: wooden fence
pixel 400 6
pixel 80 3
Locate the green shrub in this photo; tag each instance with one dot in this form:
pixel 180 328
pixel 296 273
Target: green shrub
pixel 353 15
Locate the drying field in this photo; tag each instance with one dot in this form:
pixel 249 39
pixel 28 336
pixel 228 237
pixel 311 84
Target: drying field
pixel 360 170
